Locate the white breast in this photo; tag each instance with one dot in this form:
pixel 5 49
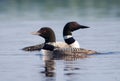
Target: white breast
pixel 75 45
pixel 61 45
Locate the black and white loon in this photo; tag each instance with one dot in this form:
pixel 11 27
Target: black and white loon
pixel 69 46
pixel 48 34
pixel 67 33
pixel 50 40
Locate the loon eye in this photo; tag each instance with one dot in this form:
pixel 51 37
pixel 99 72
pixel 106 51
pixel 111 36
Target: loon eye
pixel 44 31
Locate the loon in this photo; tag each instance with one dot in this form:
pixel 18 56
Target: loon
pixel 48 34
pixel 50 40
pixel 70 46
pixel 67 33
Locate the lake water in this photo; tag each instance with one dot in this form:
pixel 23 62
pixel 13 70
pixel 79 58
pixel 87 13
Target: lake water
pixel 19 18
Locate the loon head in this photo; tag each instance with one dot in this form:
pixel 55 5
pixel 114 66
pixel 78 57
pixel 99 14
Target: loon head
pixel 72 26
pixel 47 33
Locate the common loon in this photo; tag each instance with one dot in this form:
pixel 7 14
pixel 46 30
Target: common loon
pixel 49 36
pixel 67 33
pixel 69 46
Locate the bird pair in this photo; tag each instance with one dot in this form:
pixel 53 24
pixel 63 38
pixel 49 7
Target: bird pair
pixel 69 47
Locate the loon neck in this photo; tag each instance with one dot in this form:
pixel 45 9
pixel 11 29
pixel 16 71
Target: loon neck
pixel 48 47
pixel 47 40
pixel 66 32
pixel 67 35
pixel 50 38
pixel 69 39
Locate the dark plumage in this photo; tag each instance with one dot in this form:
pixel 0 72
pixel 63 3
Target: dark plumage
pixel 34 47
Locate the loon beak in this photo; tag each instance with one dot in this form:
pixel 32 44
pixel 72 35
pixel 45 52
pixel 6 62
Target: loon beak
pixel 82 27
pixel 79 27
pixel 35 33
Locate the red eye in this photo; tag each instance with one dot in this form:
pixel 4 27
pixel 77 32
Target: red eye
pixel 44 31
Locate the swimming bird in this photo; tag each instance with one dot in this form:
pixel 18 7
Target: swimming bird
pixel 70 46
pixel 48 34
pixel 67 33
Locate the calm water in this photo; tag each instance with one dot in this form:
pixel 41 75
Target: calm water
pixel 19 18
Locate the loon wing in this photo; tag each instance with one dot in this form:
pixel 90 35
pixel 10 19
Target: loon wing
pixel 38 47
pixel 34 47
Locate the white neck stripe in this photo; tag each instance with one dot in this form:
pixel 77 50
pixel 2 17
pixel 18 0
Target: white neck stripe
pixel 67 36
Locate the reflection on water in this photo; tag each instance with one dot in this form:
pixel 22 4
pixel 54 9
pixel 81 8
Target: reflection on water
pixel 50 64
pixel 49 68
pixel 97 67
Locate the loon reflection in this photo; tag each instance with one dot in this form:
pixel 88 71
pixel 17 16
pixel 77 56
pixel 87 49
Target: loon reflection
pixel 50 63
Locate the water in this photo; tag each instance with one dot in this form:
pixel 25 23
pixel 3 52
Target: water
pixel 18 19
